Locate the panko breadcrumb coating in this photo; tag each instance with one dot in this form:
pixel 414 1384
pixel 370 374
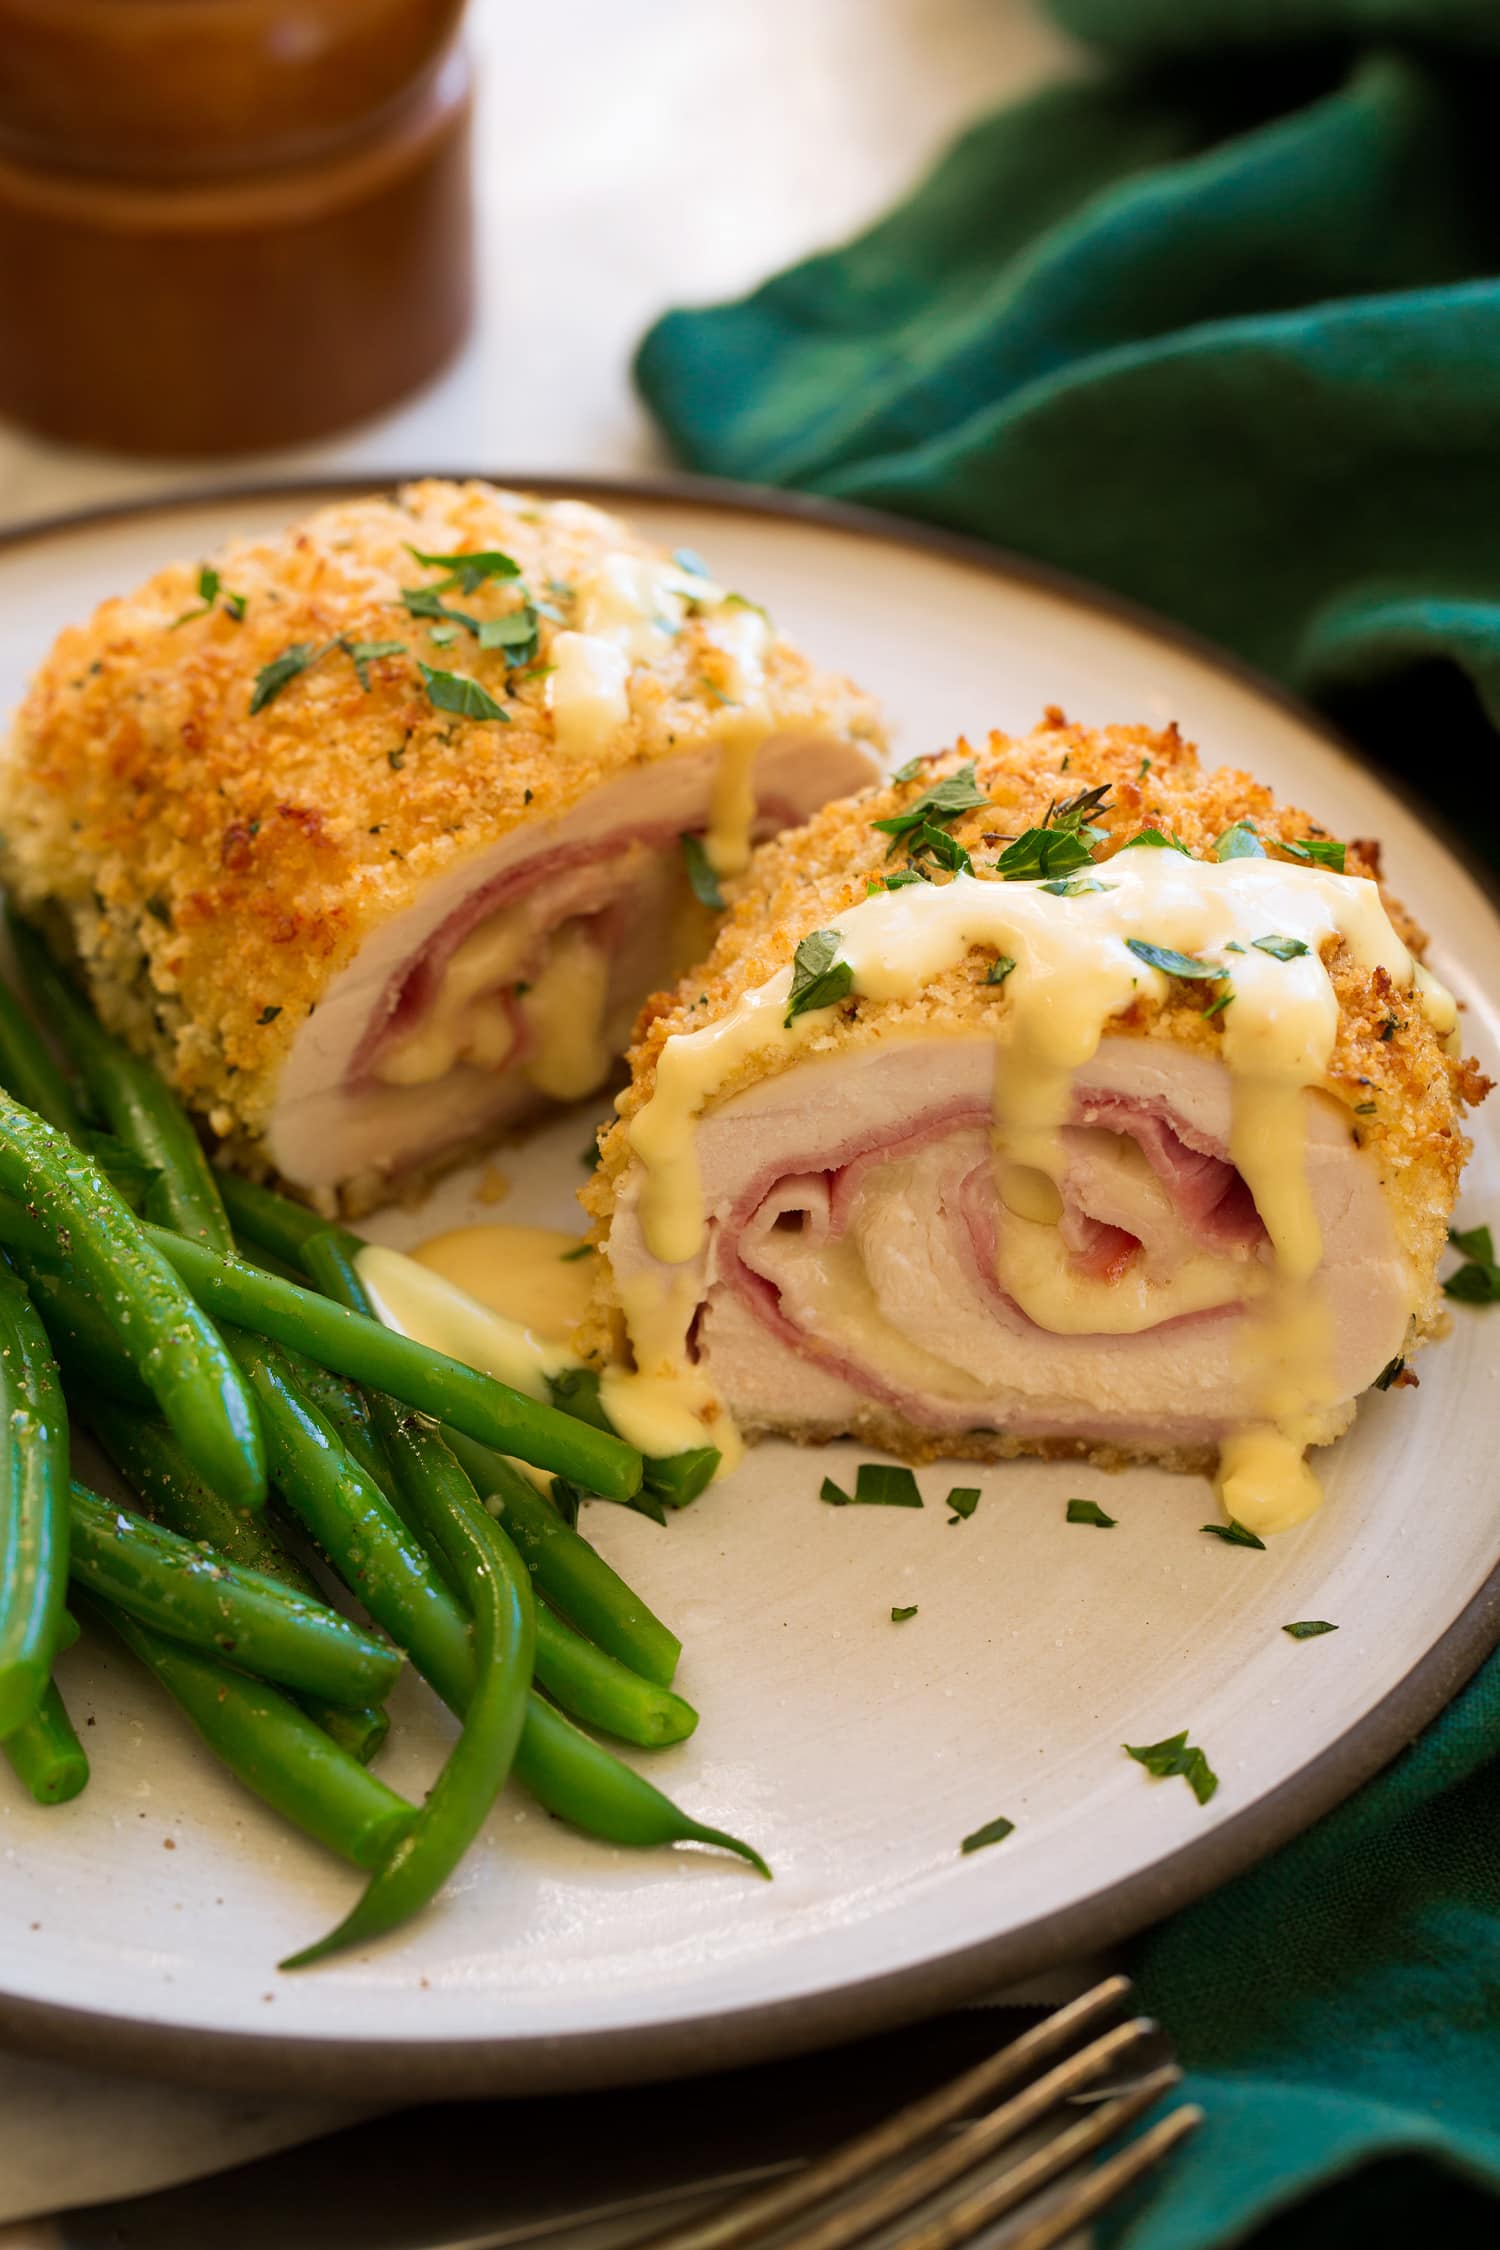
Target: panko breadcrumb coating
pixel 213 866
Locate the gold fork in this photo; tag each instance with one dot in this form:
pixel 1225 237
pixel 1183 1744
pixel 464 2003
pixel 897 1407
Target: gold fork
pixel 1038 2083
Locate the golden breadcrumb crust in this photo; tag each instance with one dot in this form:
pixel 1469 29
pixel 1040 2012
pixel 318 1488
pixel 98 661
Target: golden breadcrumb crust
pixel 214 869
pixel 1404 1095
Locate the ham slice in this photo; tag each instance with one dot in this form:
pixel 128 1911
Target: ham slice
pixel 861 1274
pixel 567 923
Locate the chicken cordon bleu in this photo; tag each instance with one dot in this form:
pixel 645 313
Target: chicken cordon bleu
pixel 1058 1097
pixel 373 835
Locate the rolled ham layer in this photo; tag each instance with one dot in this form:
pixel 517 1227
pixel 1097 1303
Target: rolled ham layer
pixel 860 1273
pixel 514 980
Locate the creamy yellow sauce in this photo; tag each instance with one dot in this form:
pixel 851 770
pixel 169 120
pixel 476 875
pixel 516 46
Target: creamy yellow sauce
pixel 508 1299
pixel 744 635
pixel 1074 972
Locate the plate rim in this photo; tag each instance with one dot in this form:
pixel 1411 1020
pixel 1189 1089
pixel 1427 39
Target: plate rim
pixel 408 2069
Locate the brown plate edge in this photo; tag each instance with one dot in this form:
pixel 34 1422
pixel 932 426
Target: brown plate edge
pixel 402 2070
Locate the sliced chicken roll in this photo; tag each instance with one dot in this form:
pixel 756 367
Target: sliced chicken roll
pixel 1059 1098
pixel 375 834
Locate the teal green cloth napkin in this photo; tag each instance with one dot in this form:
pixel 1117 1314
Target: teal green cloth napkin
pixel 1217 325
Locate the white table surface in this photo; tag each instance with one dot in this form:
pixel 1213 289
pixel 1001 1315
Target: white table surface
pixel 655 153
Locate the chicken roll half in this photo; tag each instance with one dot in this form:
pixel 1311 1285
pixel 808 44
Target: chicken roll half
pixel 1059 1098
pixel 374 834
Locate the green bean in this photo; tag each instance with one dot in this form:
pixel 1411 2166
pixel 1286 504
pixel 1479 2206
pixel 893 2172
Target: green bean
pixel 580 1781
pixel 33 1505
pixel 498 1591
pixel 45 1753
pixel 568 1570
pixel 69 1215
pixel 29 1074
pixel 130 1097
pixel 270 1745
pixel 343 1404
pixel 382 1360
pixel 356 1526
pixel 669 1480
pixel 154 1465
pixel 271 1221
pixel 244 1617
pixel 67 1632
pixel 593 1686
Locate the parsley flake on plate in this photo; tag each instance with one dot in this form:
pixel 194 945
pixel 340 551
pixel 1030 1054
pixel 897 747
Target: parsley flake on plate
pixel 993 1832
pixel 1309 1628
pixel 1233 1534
pixel 899 1616
pixel 876 1485
pixel 1089 1511
pixel 1477 1281
pixel 963 1500
pixel 1176 1756
pixel 819 978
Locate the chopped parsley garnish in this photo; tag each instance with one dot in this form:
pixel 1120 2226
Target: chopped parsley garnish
pixel 1239 842
pixel 1365 1109
pixel 689 559
pixel 1309 1628
pixel 455 691
pixel 443 635
pixel 1222 1002
pixel 589 1157
pixel 1089 1511
pixel 571 1257
pixel 1064 842
pixel 876 1485
pixel 1390 1027
pixel 1280 948
pixel 362 654
pixel 1076 886
pixel 1317 851
pixel 963 1500
pixel 1155 837
pixel 1174 964
pixel 515 632
pixel 1392 1371
pixel 1000 968
pixel 426 602
pixel 927 842
pixel 1044 852
pixel 235 605
pixel 1176 1756
pixel 465 572
pixel 1233 1534
pixel 209 587
pixel 283 669
pixel 899 1616
pixel 819 978
pixel 910 770
pixel 268 1015
pixel 956 793
pixel 1477 1281
pixel 993 1832
pixel 701 874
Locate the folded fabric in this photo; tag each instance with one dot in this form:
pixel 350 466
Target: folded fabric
pixel 1217 329
pixel 1217 325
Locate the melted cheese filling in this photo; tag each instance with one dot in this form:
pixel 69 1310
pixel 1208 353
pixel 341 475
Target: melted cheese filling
pixel 627 613
pixel 1075 972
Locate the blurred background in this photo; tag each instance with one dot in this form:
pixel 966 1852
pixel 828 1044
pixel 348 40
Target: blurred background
pixel 622 159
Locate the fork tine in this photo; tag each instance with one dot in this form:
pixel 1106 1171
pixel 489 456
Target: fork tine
pixel 1037 2170
pixel 892 2193
pixel 1075 2209
pixel 750 2216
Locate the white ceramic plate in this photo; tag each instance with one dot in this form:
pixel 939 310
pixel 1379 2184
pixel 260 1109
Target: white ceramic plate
pixel 142 1922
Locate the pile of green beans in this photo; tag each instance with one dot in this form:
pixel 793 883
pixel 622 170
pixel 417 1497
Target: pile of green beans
pixel 218 1382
